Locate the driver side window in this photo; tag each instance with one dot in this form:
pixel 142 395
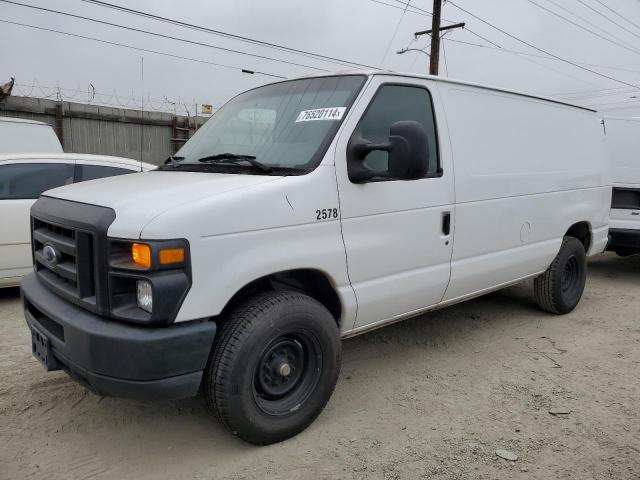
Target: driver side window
pixel 391 104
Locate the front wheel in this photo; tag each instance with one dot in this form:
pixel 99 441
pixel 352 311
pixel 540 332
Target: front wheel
pixel 559 289
pixel 274 366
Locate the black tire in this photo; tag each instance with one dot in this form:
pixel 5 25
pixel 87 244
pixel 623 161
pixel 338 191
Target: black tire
pixel 559 289
pixel 274 366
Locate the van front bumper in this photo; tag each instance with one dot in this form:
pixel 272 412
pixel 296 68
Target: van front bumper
pixel 622 238
pixel 114 358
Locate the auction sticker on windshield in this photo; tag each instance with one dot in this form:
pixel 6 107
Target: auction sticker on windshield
pixel 331 113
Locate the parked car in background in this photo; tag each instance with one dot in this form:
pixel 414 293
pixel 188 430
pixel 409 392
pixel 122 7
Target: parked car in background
pixel 23 177
pixel 18 135
pixel 623 146
pixel 305 211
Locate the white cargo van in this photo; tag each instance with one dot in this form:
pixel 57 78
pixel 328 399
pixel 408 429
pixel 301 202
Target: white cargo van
pixel 623 146
pixel 302 212
pixel 19 135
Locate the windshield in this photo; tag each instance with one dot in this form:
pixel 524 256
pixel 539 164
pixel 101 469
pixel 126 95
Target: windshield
pixel 284 126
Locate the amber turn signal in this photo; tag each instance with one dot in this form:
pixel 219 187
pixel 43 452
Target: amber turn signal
pixel 141 255
pixel 171 256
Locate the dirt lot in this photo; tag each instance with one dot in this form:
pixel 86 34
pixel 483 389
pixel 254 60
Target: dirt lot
pixel 433 397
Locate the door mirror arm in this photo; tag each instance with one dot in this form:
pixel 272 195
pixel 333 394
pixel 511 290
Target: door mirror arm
pixel 361 150
pixel 358 171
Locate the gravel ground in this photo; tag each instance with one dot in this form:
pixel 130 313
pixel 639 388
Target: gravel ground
pixel 433 397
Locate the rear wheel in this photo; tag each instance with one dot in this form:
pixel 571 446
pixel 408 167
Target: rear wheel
pixel 559 289
pixel 273 367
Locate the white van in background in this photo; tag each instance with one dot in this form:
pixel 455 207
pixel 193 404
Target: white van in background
pixel 23 177
pixel 18 135
pixel 305 211
pixel 623 146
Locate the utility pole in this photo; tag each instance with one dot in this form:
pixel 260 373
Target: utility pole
pixel 435 36
pixel 434 60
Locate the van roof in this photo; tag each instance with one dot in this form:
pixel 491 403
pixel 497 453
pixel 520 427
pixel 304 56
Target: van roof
pixel 447 80
pixel 21 120
pixel 77 156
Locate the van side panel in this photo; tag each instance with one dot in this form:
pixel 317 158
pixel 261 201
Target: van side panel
pixel 240 237
pixel 525 171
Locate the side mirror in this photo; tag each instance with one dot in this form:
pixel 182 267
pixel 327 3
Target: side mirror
pixel 408 154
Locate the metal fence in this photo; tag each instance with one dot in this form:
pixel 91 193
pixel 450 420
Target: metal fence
pixel 83 128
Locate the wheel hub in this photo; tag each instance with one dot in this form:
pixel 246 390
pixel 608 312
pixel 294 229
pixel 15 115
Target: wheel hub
pixel 570 274
pixel 287 372
pixel 280 368
pixel 284 370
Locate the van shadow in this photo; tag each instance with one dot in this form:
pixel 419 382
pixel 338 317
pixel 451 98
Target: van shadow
pixel 609 265
pixel 457 323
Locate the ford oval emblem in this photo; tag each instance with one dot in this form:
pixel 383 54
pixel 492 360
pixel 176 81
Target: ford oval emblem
pixel 51 255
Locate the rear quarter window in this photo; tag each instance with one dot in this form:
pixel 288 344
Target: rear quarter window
pixel 93 172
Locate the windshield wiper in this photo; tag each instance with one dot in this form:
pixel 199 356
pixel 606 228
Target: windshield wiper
pixel 235 158
pixel 173 161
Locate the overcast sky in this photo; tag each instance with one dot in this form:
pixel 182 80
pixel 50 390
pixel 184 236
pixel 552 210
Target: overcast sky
pixel 355 30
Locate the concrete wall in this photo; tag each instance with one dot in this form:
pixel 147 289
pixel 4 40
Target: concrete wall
pixel 106 130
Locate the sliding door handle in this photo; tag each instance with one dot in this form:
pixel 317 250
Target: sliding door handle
pixel 446 223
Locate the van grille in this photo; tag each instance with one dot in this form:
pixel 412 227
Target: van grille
pixel 70 270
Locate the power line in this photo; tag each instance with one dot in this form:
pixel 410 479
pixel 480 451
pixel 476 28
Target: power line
pixel 604 16
pixel 619 15
pixel 555 70
pixel 524 56
pixel 401 5
pixel 480 37
pixel 618 44
pixel 588 22
pixel 613 104
pixel 625 105
pixel 517 52
pixel 540 49
pixel 635 107
pixel 596 91
pixel 229 35
pixel 124 45
pixel 406 5
pixel 444 56
pixel 161 35
pixel 395 32
pixel 411 9
pixel 600 95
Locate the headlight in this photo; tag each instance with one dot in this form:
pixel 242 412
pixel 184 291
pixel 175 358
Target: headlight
pixel 144 295
pixel 150 256
pixel 141 255
pixel 148 279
